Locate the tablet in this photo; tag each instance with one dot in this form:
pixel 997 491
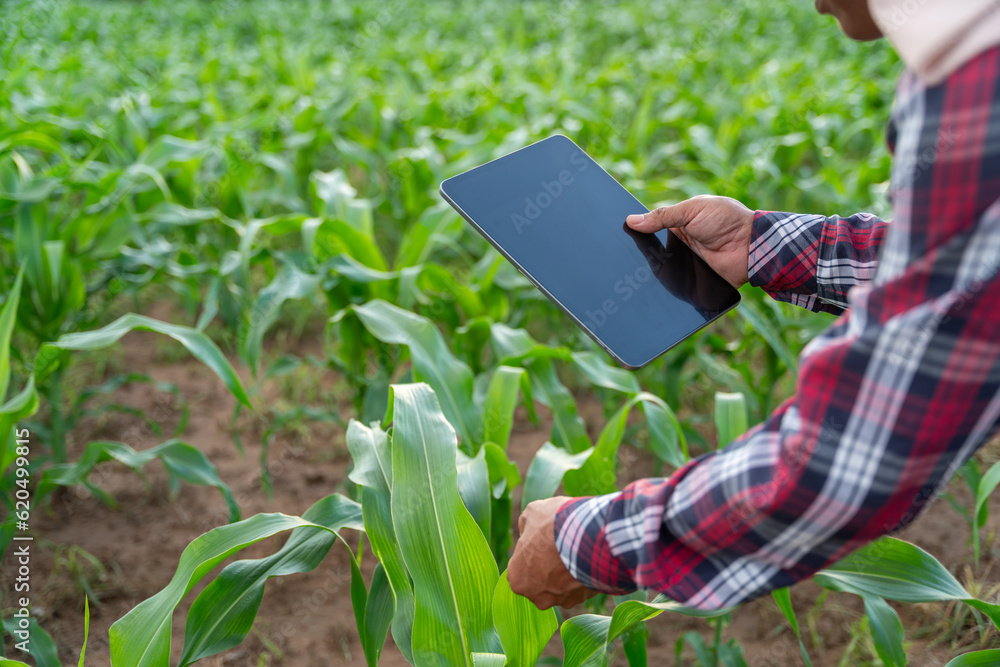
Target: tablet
pixel 560 219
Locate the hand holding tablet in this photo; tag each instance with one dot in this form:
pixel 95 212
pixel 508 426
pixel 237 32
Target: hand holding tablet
pixel 560 219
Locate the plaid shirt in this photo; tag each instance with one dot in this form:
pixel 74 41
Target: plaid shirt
pixel 890 401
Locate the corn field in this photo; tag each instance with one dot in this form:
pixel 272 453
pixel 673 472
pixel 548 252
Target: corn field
pixel 248 190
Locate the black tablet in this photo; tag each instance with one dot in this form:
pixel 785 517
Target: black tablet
pixel 560 219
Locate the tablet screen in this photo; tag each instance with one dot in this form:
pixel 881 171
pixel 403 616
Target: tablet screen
pixel 560 218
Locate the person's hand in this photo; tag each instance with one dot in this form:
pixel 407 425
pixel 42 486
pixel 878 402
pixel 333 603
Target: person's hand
pixel 717 228
pixel 535 570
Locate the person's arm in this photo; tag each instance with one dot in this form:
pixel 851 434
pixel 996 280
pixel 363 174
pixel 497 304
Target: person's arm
pixel 813 261
pixel 890 401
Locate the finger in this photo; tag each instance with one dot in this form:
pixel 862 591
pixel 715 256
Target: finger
pixel 664 217
pixel 520 523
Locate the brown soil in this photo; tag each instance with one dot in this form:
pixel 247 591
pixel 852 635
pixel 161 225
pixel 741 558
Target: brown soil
pixel 306 620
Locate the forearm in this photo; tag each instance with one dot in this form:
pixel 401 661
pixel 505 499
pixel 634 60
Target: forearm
pixel 889 403
pixel 813 261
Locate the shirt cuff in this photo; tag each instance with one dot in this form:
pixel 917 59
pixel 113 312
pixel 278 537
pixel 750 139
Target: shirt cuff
pixel 583 548
pixel 783 249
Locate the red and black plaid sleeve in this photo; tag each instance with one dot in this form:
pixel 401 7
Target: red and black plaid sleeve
pixel 890 401
pixel 813 261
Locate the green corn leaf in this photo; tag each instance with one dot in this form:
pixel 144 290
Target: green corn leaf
pixel 141 638
pixel 335 197
pixel 634 643
pixel 291 283
pixel 568 429
pixel 586 638
pixel 359 602
pixel 516 347
pixel 886 629
pixel 7 662
pixel 602 374
pixel 8 315
pixel 548 469
pixel 222 614
pixel 524 629
pixel 489 659
pixel 373 474
pixel 40 645
pixel 379 610
pixel 501 399
pixel 897 570
pixel 86 630
pixel 730 416
pixel 433 363
pixel 22 405
pixel 474 487
pixel 597 475
pixel 987 658
pixel 33 139
pixel 783 598
pixel 419 239
pixel 327 238
pixel 448 557
pixel 182 461
pixel 197 343
pixel 167 149
pixel 987 484
pixel 758 321
pixel 893 569
pixel 504 475
pixel 666 437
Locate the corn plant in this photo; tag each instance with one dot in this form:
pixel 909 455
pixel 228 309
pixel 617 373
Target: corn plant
pixel 437 585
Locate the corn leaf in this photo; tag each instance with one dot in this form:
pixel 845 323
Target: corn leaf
pixel 182 461
pixel 448 557
pixel 501 399
pixel 141 638
pixel 666 437
pixel 516 347
pixel 758 321
pixel 602 374
pixel 886 629
pixel 433 363
pixel 474 487
pixel 523 628
pixel 897 570
pixel 41 646
pixel 291 283
pixel 86 630
pixel 987 484
pixel 586 638
pixel 548 469
pixel 730 416
pixel 8 315
pixel 783 598
pixel 23 404
pixel 222 614
pixel 378 613
pixel 987 658
pixel 373 474
pixel 197 343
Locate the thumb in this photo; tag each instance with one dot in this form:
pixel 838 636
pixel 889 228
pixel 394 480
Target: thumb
pixel 677 215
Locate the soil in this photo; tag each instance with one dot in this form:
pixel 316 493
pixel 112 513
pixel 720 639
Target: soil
pixel 306 619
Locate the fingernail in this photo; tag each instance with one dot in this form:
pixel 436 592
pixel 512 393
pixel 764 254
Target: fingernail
pixel 635 217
